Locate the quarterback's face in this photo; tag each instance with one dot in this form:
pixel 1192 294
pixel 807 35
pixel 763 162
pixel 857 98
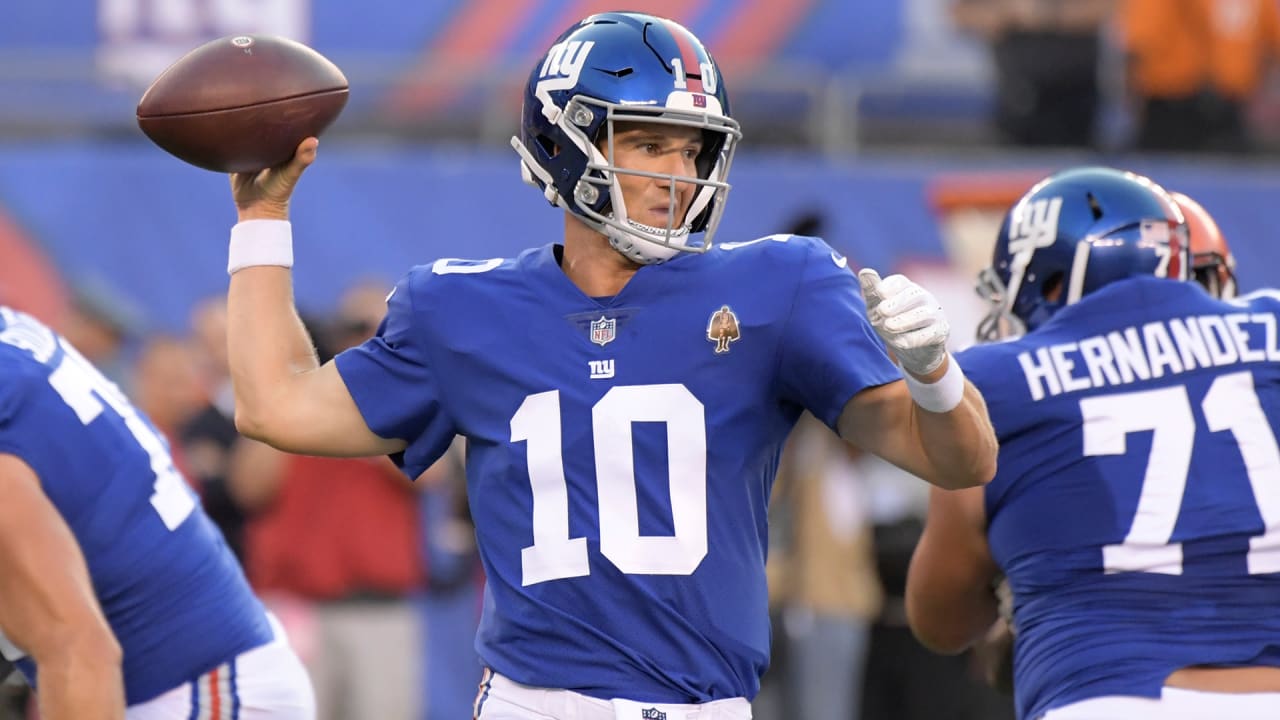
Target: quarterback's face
pixel 656 148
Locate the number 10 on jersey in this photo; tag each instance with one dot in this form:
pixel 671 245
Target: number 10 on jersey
pixel 554 555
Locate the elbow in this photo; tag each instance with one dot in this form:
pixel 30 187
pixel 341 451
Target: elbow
pixel 931 627
pixel 980 470
pixel 984 469
pixel 251 424
pixel 977 474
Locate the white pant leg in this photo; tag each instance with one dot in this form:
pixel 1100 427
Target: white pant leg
pixel 1173 704
pixel 265 683
pixel 503 699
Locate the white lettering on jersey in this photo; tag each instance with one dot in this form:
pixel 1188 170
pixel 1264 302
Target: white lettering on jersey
pixel 10 651
pixel 1231 405
pixel 89 394
pixel 555 555
pixel 1153 350
pixel 1034 225
pixel 777 237
pixel 601 369
pixel 24 332
pixel 458 266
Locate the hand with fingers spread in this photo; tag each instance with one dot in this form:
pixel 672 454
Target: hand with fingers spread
pixel 909 320
pixel 264 195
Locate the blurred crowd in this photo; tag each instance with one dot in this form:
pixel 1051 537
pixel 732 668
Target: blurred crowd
pixel 1175 75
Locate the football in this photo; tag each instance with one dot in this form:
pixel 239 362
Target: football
pixel 242 103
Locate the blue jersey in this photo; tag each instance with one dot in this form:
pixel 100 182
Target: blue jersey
pixel 1136 510
pixel 621 450
pixel 173 594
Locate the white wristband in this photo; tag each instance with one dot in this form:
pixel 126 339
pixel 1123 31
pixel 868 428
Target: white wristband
pixel 941 396
pixel 260 242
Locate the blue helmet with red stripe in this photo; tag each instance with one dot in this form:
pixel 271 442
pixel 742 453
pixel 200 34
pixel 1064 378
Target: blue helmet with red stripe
pixel 1073 233
pixel 625 67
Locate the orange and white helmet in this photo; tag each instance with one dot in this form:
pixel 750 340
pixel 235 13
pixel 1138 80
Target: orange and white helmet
pixel 1212 263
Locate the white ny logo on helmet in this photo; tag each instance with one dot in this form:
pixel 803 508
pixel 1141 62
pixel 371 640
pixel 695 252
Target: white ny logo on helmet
pixel 564 62
pixel 1034 225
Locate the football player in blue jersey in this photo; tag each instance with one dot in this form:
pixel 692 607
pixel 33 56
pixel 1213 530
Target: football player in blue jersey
pixel 1136 509
pixel 117 589
pixel 625 393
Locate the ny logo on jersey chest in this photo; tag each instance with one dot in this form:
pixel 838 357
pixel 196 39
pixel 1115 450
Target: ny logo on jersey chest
pixel 601 369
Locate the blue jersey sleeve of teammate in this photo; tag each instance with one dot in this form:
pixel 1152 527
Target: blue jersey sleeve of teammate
pixel 829 351
pixel 392 379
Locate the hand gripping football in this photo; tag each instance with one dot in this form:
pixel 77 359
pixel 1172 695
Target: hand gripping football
pixel 242 103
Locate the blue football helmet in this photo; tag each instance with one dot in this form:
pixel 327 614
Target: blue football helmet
pixel 1075 232
pixel 619 67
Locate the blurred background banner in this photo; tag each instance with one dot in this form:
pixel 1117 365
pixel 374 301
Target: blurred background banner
pixel 156 229
pixel 450 61
pixel 861 112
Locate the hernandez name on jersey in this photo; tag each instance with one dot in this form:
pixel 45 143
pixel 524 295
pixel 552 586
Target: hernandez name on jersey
pixel 1136 510
pixel 171 590
pixel 621 449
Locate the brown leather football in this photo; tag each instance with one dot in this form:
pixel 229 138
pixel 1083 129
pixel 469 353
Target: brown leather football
pixel 242 103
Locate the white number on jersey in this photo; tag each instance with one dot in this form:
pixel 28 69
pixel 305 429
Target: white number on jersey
pixel 554 554
pixel 84 389
pixel 1230 405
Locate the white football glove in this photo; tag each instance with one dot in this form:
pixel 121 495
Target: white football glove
pixel 908 319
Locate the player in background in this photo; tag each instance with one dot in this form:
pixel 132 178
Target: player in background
pixel 1212 264
pixel 625 393
pixel 117 590
pixel 1136 509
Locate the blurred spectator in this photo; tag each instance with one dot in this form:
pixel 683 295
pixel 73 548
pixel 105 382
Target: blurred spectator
pixel 207 438
pixel 167 387
pixel 452 603
pixel 103 326
pixel 333 546
pixel 1046 59
pixel 1194 68
pixel 821 576
pixel 905 680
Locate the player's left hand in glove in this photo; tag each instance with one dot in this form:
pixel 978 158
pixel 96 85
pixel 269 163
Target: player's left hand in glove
pixel 908 319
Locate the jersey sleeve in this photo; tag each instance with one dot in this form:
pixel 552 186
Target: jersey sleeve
pixel 830 352
pixel 392 379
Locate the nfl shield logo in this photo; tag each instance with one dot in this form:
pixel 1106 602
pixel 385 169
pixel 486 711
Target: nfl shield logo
pixel 652 714
pixel 700 101
pixel 604 330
